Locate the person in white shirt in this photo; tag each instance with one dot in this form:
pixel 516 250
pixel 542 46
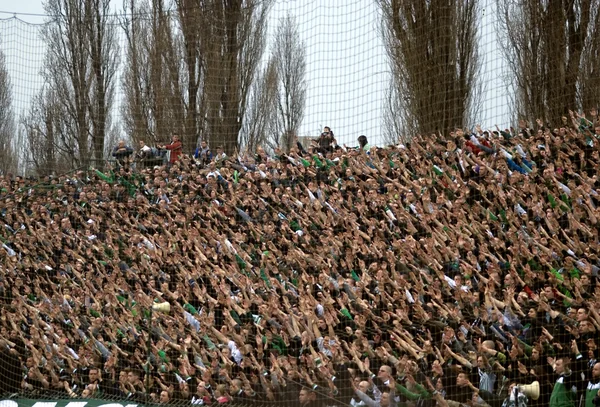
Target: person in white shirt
pixel 145 151
pixel 356 401
pixel 220 157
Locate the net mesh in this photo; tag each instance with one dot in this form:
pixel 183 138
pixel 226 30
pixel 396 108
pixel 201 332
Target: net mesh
pixel 181 227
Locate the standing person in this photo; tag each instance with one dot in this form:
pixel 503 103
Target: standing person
pixel 175 148
pixel 592 392
pixel 145 150
pixel 363 144
pixel 220 157
pixel 203 153
pixel 122 152
pixel 326 141
pixel 307 398
pixel 564 393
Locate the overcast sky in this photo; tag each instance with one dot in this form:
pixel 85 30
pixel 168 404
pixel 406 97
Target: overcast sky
pixel 347 67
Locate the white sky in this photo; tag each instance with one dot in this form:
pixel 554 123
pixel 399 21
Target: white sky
pixel 347 66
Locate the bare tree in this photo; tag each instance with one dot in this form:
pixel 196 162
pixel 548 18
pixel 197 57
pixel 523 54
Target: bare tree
pixel 289 53
pixel 433 51
pixel 154 81
pixel 195 34
pixel 8 157
pixel 393 125
pixel 261 111
pixel 553 51
pixel 588 89
pixel 79 70
pixel 233 48
pixel 190 70
pixel 45 126
pixel 135 80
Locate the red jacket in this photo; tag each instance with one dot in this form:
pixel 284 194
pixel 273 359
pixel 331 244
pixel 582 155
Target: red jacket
pixel 473 147
pixel 176 150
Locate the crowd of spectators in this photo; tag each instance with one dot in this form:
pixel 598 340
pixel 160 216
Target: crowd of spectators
pixel 444 271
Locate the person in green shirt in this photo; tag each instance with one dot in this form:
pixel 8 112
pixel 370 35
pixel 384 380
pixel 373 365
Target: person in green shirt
pixel 564 393
pixel 592 391
pixel 363 144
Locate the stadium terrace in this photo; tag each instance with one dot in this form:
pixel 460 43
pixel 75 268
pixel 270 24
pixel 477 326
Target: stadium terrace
pixel 450 270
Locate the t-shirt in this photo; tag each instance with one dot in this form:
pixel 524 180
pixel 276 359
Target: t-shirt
pixel 235 352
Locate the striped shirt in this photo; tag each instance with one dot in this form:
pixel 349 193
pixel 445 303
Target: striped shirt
pixel 486 380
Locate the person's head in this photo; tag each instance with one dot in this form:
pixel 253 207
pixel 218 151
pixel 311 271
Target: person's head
pixel 385 399
pixel 509 281
pixel 582 314
pixel 532 313
pixel 364 386
pixel 306 396
pixel 201 388
pixel 592 347
pixel 30 362
pixel 121 143
pixel 561 366
pixel 549 292
pixel 175 137
pixel 236 386
pixel 326 130
pixel 133 377
pixel 462 380
pixel 220 150
pixel 203 144
pixel 142 143
pixel 385 372
pixel 596 371
pixel 586 326
pixel 94 374
pixel 448 335
pixel 184 387
pixel 362 141
pixel 164 397
pixel 513 352
pixel 481 362
pixel 221 390
pixel 585 281
pixel 437 368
